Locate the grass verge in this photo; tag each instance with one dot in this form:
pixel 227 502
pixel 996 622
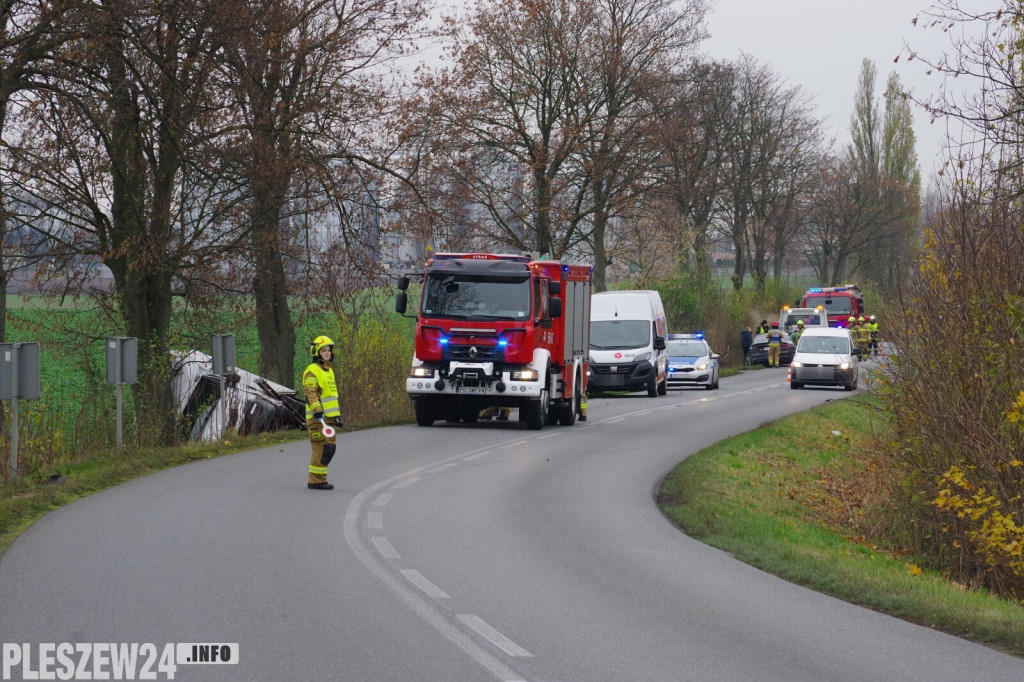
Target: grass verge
pixel 794 497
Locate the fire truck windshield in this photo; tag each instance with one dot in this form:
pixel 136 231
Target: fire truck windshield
pixel 473 298
pixel 620 334
pixel 839 305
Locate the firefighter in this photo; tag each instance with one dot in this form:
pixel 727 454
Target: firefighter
pixel 862 335
pixel 774 345
pixel 322 407
pixel 873 327
pixel 795 336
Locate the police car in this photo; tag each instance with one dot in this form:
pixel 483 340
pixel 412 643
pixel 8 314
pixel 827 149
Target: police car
pixel 691 362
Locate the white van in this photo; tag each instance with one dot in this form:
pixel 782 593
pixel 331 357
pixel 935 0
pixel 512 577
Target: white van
pixel 811 317
pixel 825 356
pixel 627 342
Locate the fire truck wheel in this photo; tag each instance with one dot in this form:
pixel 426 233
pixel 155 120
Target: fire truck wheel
pixel 424 411
pixel 570 410
pixel 537 412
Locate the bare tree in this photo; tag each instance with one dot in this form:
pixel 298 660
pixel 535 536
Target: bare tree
pixel 118 153
pixel 634 55
pixel 694 137
pixel 772 133
pixel 30 30
pixel 512 115
pixel 306 81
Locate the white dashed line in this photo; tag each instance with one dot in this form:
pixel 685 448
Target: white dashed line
pixel 383 499
pixel 476 456
pixel 385 548
pixel 494 637
pixel 417 579
pixel 553 434
pixel 375 520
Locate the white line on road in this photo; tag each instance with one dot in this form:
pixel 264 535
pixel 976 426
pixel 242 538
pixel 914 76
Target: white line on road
pixel 553 434
pixel 385 548
pixel 417 579
pixel 382 499
pixel 438 469
pixel 405 483
pixel 476 456
pixel 375 520
pixel 494 637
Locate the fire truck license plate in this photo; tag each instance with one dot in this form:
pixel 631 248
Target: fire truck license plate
pixel 471 389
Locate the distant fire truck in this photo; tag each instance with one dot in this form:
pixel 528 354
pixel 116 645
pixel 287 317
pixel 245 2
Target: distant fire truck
pixel 499 331
pixel 840 303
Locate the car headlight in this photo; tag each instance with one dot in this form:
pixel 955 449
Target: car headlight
pixel 421 372
pixel 844 365
pixel 525 374
pixel 703 366
pixel 642 356
pixel 796 364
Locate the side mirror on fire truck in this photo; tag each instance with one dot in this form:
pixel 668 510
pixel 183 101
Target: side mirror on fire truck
pixel 554 288
pixel 555 307
pixel 402 283
pixel 401 301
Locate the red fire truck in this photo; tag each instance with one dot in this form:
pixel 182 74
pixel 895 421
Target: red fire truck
pixel 499 331
pixel 840 303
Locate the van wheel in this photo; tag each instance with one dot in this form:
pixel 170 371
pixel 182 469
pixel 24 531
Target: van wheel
pixel 663 386
pixel 652 388
pixel 795 385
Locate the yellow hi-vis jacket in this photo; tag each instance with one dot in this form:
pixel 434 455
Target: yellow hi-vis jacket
pixel 321 391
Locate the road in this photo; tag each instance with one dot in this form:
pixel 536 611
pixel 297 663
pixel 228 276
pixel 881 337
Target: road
pixel 458 552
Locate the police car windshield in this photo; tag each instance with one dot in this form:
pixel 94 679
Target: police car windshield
pixel 620 334
pixel 823 344
pixel 472 298
pixel 689 349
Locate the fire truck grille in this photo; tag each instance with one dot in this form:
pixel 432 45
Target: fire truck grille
pixel 473 353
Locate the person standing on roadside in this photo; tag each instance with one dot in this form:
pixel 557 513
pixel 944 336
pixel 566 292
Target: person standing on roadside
pixel 795 336
pixel 322 409
pixel 746 341
pixel 774 345
pixel 763 328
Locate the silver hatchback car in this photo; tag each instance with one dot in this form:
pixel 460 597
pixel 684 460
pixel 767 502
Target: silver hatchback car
pixel 825 356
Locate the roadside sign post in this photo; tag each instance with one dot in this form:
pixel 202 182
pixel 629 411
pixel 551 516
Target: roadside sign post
pixel 19 378
pixel 122 368
pixel 223 346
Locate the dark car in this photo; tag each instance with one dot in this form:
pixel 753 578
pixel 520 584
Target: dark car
pixel 759 350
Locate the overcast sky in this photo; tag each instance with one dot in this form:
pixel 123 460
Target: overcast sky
pixel 820 44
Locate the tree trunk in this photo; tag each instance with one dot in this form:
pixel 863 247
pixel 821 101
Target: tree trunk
pixel 740 266
pixel 273 316
pixel 600 255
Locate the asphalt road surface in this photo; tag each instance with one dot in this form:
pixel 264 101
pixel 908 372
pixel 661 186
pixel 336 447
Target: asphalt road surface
pixel 456 552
